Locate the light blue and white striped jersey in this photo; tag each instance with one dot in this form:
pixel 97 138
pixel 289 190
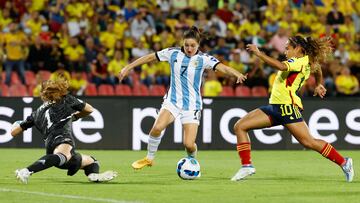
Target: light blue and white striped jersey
pixel 186 76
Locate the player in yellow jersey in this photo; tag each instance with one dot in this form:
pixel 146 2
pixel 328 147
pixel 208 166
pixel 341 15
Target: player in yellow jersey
pixel 303 56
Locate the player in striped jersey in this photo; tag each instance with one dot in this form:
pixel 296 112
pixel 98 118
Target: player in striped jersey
pixel 183 98
pixel 54 119
pixel 304 56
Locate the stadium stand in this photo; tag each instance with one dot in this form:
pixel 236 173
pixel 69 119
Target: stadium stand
pixel 88 34
pixel 242 91
pixel 259 91
pixel 106 90
pixel 18 90
pixel 91 90
pixel 157 90
pixel 141 90
pixel 227 91
pixel 123 90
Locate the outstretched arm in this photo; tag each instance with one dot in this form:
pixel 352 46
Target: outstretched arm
pixel 267 59
pixel 140 61
pixel 88 109
pixel 319 89
pixel 19 126
pixel 240 78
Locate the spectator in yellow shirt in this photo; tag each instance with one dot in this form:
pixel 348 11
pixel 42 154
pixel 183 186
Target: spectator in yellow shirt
pixel 162 75
pixel 34 23
pixel 78 84
pixel 212 86
pixel 15 43
pixel 5 18
pixel 60 72
pixel 115 66
pixel 346 84
pixel 74 54
pixel 236 64
pixel 148 72
pixel 108 38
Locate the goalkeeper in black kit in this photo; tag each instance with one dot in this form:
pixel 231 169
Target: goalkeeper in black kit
pixel 54 120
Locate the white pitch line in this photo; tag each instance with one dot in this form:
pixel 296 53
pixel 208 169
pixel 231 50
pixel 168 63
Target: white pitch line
pixel 65 196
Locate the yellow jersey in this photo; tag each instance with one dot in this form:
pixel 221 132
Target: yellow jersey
pixel 288 83
pixel 14 45
pixel 212 88
pixel 347 82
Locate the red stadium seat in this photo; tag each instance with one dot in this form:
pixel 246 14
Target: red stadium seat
pixel 45 74
pixel 18 90
pixel 106 90
pixel 4 90
pixel 31 89
pixel 242 91
pixel 157 90
pixel 91 90
pixel 15 78
pixel 227 91
pixel 141 90
pixel 259 91
pixel 135 79
pixel 84 75
pixel 123 90
pixel 30 78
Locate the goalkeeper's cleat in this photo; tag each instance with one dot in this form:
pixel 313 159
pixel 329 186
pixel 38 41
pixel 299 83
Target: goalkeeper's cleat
pixel 348 169
pixel 102 177
pixel 23 175
pixel 139 164
pixel 243 172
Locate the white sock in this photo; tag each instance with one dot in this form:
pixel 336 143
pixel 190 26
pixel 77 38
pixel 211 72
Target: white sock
pixel 194 153
pixel 153 145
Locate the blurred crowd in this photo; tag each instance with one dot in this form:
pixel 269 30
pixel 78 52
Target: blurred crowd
pixel 90 41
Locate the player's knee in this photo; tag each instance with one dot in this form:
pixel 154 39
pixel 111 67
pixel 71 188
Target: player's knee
pixel 74 164
pixel 238 127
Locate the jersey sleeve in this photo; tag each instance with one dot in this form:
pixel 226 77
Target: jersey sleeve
pixel 164 55
pixel 210 62
pixel 75 103
pixel 29 122
pixel 294 64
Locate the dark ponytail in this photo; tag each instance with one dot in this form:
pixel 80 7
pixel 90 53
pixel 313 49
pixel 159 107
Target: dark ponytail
pixel 318 50
pixel 193 33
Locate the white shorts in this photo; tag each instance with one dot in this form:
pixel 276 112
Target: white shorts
pixel 191 116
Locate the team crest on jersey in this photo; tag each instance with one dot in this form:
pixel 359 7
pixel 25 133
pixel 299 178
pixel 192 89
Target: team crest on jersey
pixel 291 60
pixel 195 63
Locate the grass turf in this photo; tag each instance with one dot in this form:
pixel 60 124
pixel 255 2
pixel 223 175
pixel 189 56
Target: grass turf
pixel 281 176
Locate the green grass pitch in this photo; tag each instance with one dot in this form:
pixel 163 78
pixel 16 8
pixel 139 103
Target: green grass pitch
pixel 281 176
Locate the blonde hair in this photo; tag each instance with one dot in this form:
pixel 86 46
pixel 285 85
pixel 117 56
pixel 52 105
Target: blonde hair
pixel 54 90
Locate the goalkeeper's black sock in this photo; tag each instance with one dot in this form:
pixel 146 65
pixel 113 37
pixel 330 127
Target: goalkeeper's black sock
pixel 92 168
pixel 47 161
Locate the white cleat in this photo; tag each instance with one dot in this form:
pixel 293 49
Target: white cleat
pixel 23 175
pixel 102 177
pixel 348 169
pixel 243 172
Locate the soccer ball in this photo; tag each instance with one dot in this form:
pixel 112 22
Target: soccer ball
pixel 188 168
